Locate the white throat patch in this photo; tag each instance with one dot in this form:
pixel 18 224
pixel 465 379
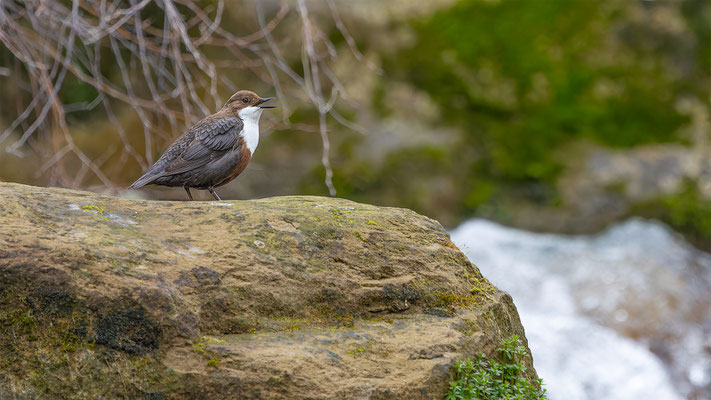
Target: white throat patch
pixel 250 116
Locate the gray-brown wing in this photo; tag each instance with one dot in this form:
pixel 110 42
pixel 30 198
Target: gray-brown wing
pixel 213 137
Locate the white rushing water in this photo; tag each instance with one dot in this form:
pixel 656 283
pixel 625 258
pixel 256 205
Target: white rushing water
pixel 625 314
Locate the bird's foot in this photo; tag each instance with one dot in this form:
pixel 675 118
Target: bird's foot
pixel 212 192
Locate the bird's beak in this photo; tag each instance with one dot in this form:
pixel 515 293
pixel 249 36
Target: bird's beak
pixel 266 100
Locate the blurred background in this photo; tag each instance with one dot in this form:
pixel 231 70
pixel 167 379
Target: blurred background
pixel 588 120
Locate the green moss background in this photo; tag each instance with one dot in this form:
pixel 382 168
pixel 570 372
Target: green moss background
pixel 519 82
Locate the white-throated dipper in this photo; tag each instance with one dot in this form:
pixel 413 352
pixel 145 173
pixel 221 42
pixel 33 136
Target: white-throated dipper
pixel 214 151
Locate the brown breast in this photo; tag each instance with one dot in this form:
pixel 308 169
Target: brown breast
pixel 244 157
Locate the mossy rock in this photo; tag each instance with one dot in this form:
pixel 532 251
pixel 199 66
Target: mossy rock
pixel 285 297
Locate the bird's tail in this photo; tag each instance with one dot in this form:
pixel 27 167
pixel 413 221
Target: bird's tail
pixel 146 179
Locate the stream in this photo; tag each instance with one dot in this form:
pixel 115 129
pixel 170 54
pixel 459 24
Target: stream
pixel 624 314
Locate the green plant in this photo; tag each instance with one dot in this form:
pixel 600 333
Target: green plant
pixel 688 211
pixel 489 380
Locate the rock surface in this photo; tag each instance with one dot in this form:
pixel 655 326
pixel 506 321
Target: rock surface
pixel 278 298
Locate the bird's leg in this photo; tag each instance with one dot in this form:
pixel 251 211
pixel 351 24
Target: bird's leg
pixel 212 192
pixel 187 189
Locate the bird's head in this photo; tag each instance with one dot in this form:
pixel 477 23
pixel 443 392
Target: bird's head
pixel 246 103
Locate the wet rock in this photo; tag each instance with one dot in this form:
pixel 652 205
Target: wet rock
pixel 130 331
pixel 206 276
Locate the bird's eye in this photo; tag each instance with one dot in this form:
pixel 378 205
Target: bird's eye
pixel 245 100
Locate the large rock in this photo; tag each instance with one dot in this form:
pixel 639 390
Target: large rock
pixel 278 298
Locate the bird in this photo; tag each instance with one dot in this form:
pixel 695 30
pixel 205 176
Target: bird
pixel 212 152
